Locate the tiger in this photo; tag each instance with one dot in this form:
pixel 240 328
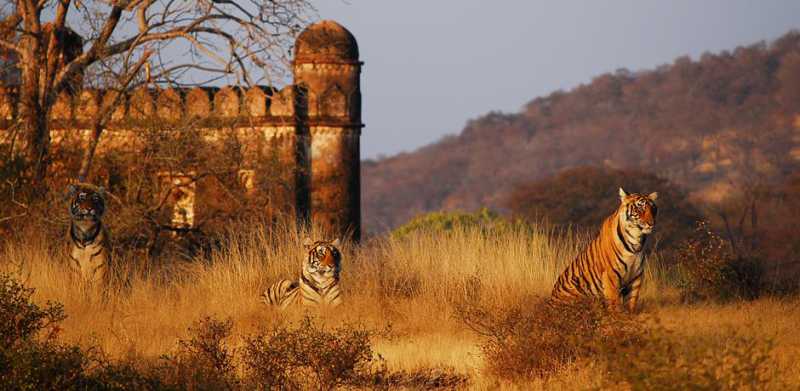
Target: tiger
pixel 612 266
pixel 88 238
pixel 319 279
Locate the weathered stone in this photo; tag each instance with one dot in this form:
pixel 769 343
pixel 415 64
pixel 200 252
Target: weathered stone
pixel 198 104
pixel 88 105
pixel 226 103
pixel 282 103
pixel 109 99
pixel 256 102
pixel 141 104
pixel 169 105
pixel 299 146
pixel 333 103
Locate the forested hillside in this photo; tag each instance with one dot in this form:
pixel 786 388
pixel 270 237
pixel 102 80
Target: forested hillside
pixel 714 125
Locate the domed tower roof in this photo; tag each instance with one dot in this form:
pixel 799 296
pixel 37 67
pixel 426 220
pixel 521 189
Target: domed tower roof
pixel 326 41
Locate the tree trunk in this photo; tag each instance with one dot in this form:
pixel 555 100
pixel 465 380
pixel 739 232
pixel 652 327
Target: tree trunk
pixel 33 114
pixel 88 153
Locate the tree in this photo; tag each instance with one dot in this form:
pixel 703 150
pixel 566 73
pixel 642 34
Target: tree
pixel 124 43
pixel 583 197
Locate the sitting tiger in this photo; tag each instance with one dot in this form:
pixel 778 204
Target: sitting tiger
pixel 319 279
pixel 612 266
pixel 88 238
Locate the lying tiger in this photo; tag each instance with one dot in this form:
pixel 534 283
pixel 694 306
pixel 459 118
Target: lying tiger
pixel 88 238
pixel 612 266
pixel 319 279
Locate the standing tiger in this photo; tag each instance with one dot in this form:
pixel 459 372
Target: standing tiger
pixel 88 238
pixel 612 266
pixel 319 279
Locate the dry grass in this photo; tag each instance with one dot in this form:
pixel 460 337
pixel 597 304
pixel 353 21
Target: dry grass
pixel 410 286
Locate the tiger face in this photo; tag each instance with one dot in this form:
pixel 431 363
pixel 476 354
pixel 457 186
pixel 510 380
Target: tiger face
pixel 324 259
pixel 86 205
pixel 640 210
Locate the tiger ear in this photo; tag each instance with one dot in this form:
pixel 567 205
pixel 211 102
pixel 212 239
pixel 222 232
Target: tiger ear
pixel 622 194
pixel 653 196
pixel 307 242
pixel 335 242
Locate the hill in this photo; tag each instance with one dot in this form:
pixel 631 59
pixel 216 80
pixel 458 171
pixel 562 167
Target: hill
pixel 713 125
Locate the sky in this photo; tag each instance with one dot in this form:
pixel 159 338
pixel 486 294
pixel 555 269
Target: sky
pixel 431 65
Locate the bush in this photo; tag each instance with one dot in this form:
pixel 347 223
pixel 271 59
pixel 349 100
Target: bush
pixel 447 221
pixel 22 321
pixel 584 196
pixel 666 361
pixel 530 341
pixel 537 340
pixel 308 355
pixel 31 357
pixel 709 269
pixel 204 361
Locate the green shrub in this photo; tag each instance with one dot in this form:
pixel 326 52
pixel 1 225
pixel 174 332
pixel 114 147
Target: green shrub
pixel 709 269
pixel 448 221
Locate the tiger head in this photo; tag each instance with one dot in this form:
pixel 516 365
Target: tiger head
pixel 324 258
pixel 87 205
pixel 639 210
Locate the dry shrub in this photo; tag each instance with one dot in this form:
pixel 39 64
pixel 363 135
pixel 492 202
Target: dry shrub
pixel 32 358
pixel 202 362
pixel 308 355
pixel 709 269
pixel 663 360
pixel 536 339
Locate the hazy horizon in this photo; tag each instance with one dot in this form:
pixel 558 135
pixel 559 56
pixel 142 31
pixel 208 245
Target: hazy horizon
pixel 432 66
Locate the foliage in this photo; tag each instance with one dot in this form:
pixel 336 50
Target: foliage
pixel 202 362
pixel 583 197
pixel 743 102
pixel 22 321
pixel 709 269
pixel 483 219
pixel 530 341
pixel 663 360
pixel 308 355
pixel 32 358
pixel 305 356
pixel 536 339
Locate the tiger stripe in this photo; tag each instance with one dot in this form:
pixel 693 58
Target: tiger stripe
pixel 612 265
pixel 318 283
pixel 88 239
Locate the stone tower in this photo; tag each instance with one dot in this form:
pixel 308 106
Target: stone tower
pixel 327 72
pixel 300 153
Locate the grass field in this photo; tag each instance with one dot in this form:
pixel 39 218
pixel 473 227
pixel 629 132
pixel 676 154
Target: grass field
pixel 410 286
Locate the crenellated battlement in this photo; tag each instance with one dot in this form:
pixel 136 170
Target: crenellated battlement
pixel 310 128
pixel 205 106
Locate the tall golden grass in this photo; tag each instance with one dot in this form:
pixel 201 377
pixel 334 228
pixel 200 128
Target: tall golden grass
pixel 411 284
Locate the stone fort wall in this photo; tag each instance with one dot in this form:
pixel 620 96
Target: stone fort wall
pixel 313 126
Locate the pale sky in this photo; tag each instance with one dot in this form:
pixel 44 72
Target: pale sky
pixel 431 65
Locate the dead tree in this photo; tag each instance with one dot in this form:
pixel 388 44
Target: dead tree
pixel 59 42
